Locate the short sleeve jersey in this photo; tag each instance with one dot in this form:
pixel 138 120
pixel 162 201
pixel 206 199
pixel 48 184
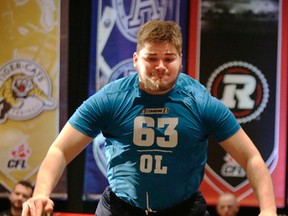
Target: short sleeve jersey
pixel 156 145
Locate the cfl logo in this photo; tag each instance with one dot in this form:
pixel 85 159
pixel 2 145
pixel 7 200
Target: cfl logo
pixel 242 87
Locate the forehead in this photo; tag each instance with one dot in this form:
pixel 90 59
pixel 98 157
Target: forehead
pixel 23 189
pixel 159 48
pixel 226 201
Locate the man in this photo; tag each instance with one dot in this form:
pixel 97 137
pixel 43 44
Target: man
pixel 227 205
pixel 156 124
pixel 21 192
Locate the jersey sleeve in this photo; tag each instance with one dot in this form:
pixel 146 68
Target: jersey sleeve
pixel 89 117
pixel 220 121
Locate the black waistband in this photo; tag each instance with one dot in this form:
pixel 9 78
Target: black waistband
pixel 194 206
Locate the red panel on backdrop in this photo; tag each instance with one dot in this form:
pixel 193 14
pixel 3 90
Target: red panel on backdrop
pixel 224 37
pixel 193 45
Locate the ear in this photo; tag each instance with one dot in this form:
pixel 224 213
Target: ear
pixel 135 58
pixel 181 67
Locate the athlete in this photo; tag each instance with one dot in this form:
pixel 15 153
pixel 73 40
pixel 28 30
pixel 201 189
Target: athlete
pixel 227 205
pixel 156 123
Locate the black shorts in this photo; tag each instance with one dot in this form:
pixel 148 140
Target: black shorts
pixel 111 205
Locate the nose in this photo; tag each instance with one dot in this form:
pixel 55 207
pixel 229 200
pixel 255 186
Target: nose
pixel 160 66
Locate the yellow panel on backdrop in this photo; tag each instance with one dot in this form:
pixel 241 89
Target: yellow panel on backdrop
pixel 29 85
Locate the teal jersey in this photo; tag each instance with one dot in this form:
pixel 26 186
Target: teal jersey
pixel 156 145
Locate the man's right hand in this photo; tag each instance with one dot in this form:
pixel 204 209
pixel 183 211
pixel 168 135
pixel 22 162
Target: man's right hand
pixel 37 205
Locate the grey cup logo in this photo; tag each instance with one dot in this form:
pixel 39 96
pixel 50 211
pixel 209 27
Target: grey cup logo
pixel 25 90
pixel 139 12
pixel 242 87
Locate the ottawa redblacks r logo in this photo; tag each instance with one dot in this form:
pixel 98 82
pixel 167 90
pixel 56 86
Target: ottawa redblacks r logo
pixel 242 87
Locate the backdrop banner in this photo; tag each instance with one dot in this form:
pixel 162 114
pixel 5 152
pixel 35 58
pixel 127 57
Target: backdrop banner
pixel 114 28
pixel 239 52
pixel 29 87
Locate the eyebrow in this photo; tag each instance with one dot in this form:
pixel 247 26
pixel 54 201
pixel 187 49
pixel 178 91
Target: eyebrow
pixel 167 53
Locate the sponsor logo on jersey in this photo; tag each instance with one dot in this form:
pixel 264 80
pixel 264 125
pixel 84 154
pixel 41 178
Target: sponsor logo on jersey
pixel 25 91
pixel 154 111
pixel 242 87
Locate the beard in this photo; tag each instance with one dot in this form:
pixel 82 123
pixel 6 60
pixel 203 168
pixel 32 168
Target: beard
pixel 157 85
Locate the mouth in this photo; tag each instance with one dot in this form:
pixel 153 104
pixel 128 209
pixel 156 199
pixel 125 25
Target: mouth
pixel 159 74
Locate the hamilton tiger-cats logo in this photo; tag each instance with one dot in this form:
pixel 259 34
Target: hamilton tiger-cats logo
pixel 25 90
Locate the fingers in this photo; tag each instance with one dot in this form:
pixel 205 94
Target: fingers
pixel 25 209
pixel 36 206
pixel 29 209
pixel 49 206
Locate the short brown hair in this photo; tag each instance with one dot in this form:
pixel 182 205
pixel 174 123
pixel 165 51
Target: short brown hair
pixel 25 184
pixel 160 31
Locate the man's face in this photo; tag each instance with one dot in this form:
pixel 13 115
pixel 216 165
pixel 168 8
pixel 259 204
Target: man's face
pixel 158 66
pixel 19 195
pixel 227 206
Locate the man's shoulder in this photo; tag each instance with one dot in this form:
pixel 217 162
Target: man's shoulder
pixel 129 78
pixel 189 85
pixel 122 84
pixel 189 79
